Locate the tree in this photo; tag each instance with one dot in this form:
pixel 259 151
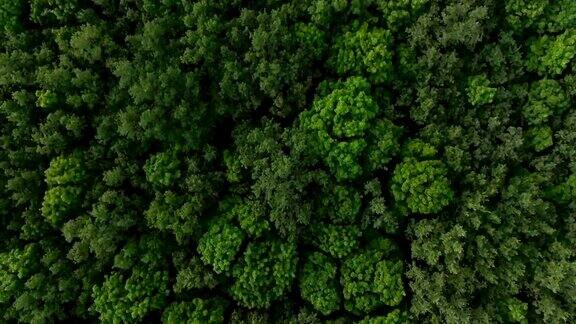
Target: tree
pixel 66 170
pixel 372 161
pixel 422 186
pixel 37 283
pixel 60 202
pixel 10 12
pixel 102 230
pixel 318 283
pixel 46 11
pixel 550 55
pixel 479 90
pixel 137 287
pixel 546 97
pixel 364 51
pixel 341 205
pixel 394 317
pixel 336 240
pixel 372 278
pixel 176 213
pixel 264 273
pixel 220 244
pixel 339 118
pixel 196 311
pixel 128 299
pixel 162 169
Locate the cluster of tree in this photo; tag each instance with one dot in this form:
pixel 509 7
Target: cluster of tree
pixel 304 161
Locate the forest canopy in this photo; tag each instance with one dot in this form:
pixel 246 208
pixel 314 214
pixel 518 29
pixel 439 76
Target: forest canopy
pixel 302 161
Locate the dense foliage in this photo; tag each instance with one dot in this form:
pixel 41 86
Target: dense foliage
pixel 304 161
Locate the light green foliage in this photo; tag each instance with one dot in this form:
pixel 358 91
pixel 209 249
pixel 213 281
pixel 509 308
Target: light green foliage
pixel 66 170
pixel 353 108
pixel 364 51
pixel 550 55
pixel 447 246
pixel 336 240
pixel 339 122
pixel 545 99
pixel 397 12
pixel 46 99
pixel 324 11
pixel 89 44
pixel 162 169
pixel 544 15
pixel 370 279
pixel 122 299
pixel 251 218
pixel 422 185
pixel 394 317
pixel 524 13
pixel 318 283
pixel 388 281
pixel 463 23
pixel 220 244
pixel 343 159
pixel 264 273
pixel 418 148
pixel 479 90
pixel 172 212
pixel 515 310
pixel 139 284
pixel 210 311
pixel 382 144
pixel 60 202
pixel 343 114
pixel 64 177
